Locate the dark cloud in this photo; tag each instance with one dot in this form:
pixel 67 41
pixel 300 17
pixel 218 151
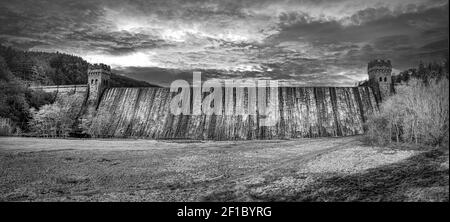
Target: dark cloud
pixel 311 41
pixel 393 42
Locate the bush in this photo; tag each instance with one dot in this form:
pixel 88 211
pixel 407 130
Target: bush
pixel 417 113
pixel 16 101
pixel 57 119
pixel 37 98
pixel 376 129
pixel 6 127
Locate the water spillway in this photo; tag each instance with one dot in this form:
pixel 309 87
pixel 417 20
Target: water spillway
pixel 303 112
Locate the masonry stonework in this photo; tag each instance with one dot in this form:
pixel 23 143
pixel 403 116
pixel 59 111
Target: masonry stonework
pixel 380 73
pixel 303 111
pixel 99 76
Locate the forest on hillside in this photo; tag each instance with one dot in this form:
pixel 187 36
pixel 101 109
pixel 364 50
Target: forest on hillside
pixel 44 68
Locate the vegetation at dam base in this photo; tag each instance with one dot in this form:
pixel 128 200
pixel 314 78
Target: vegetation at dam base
pixel 57 119
pixel 16 102
pixel 417 113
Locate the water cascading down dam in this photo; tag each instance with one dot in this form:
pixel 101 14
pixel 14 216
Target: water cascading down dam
pixel 302 112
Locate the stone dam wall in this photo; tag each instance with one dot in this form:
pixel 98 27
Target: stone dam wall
pixel 303 112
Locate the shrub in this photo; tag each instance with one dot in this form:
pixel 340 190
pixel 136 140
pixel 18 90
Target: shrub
pixel 38 98
pixel 57 119
pixel 376 129
pixel 417 113
pixel 6 127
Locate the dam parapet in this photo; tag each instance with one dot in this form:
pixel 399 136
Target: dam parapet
pixel 63 89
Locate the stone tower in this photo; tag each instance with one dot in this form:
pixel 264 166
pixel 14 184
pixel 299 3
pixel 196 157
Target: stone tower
pixel 380 74
pixel 98 80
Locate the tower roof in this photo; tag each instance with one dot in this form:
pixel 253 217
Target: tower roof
pixel 379 63
pixel 99 66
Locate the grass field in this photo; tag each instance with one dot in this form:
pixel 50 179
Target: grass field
pixel 324 169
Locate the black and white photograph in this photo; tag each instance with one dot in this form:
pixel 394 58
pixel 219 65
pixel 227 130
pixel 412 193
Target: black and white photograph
pixel 224 101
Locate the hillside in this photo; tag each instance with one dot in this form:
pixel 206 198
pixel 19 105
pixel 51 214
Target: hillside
pixel 44 68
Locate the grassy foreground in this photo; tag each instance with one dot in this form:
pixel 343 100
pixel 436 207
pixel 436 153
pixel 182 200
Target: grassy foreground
pixel 324 169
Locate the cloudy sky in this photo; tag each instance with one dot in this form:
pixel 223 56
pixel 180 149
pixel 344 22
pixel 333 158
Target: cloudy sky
pixel 319 42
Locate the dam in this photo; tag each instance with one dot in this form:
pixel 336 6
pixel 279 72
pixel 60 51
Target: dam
pixel 303 112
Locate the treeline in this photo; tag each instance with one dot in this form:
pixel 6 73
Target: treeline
pixel 44 68
pixel 424 72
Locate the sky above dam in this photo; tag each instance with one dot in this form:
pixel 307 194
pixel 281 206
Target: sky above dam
pixel 314 42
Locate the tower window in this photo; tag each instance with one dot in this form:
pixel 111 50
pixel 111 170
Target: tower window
pixel 96 81
pixel 381 79
pixel 385 79
pixel 92 81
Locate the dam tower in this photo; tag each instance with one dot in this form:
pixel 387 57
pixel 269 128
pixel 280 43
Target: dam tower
pixel 380 73
pixel 99 76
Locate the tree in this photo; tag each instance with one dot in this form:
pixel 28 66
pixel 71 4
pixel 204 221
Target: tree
pixel 57 119
pixel 417 113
